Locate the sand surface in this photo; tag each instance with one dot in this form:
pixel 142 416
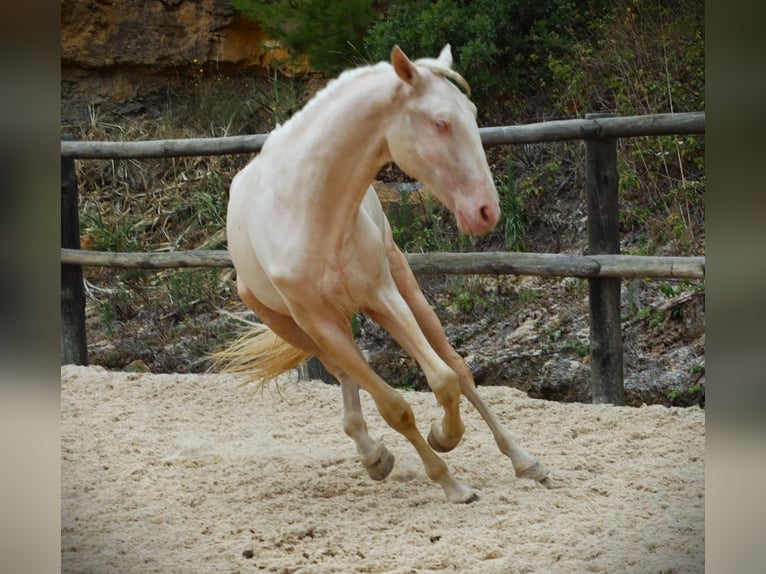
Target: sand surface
pixel 190 473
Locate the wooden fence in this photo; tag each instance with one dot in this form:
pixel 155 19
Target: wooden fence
pixel 604 267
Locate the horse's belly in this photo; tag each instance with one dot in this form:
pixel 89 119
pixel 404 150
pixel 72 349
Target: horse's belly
pixel 251 274
pixel 250 269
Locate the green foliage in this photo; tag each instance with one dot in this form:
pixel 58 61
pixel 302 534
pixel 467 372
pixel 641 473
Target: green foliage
pixel 513 210
pixel 116 307
pixel 501 46
pixel 669 290
pixel 110 233
pixel 280 102
pixel 327 32
pixel 637 58
pixel 356 325
pixel 581 349
pixel 527 295
pixel 691 392
pixel 640 58
pixel 644 312
pixel 188 287
pixel 470 296
pixel 208 204
pixel 218 105
pixel 425 227
pixel 408 380
pixel 504 47
pixel 657 320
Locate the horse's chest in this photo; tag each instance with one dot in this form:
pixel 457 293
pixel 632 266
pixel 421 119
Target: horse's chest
pixel 355 279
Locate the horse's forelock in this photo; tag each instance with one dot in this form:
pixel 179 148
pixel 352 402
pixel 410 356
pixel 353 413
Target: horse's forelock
pixel 437 67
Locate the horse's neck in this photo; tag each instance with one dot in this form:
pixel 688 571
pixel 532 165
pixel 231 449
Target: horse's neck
pixel 343 142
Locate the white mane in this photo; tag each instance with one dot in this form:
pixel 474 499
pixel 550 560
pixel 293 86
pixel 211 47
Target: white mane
pixel 432 64
pixel 331 87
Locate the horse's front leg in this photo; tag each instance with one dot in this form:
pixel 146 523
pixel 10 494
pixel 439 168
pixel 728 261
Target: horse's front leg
pixel 332 335
pixel 393 314
pixel 524 464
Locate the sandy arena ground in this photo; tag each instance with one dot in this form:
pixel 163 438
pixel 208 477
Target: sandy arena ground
pixel 192 474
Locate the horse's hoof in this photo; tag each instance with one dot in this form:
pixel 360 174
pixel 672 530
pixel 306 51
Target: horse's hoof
pixel 546 482
pixel 381 466
pixel 467 496
pixel 434 442
pixel 473 498
pixel 537 472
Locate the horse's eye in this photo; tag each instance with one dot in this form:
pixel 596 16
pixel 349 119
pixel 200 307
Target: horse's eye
pixel 441 125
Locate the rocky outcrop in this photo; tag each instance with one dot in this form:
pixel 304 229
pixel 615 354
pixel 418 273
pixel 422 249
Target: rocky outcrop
pixel 130 52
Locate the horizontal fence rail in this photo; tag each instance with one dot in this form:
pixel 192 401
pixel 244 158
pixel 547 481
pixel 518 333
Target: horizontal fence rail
pixel 487 263
pixel 603 267
pixel 560 130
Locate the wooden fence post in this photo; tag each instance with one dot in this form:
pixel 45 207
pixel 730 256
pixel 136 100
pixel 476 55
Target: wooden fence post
pixel 601 187
pixel 74 347
pixel 313 369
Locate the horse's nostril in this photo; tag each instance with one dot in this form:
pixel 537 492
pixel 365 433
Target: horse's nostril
pixel 484 213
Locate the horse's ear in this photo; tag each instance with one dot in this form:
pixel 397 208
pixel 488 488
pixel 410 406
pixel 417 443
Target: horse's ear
pixel 445 56
pixel 403 67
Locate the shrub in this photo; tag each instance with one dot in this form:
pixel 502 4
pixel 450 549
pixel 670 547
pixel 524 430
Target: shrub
pixel 643 58
pixel 501 46
pixel 326 32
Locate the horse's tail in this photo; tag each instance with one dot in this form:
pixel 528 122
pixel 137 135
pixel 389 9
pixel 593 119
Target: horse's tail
pixel 260 354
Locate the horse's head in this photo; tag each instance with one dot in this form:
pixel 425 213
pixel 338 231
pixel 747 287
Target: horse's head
pixel 433 137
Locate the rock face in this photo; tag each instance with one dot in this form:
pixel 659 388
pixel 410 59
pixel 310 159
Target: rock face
pixel 129 52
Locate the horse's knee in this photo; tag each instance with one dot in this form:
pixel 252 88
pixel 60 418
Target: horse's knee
pixel 447 388
pixel 398 413
pixel 445 384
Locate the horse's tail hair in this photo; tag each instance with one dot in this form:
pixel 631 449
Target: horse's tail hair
pixel 258 353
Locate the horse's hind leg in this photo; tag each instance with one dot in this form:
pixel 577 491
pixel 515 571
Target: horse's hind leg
pixel 376 458
pixel 524 464
pixel 332 334
pixel 283 325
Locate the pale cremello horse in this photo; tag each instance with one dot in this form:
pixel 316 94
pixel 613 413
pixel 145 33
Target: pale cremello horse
pixel 311 246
